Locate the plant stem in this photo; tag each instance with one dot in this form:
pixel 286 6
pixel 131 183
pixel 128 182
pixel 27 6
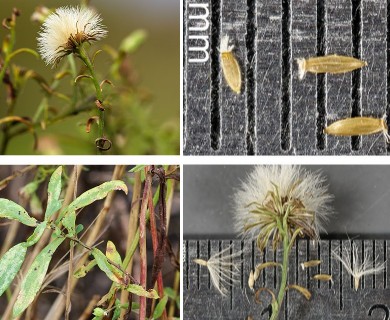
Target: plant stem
pixel 99 96
pixel 142 241
pixel 276 305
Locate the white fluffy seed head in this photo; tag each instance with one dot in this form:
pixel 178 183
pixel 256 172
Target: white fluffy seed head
pixel 67 28
pixel 305 187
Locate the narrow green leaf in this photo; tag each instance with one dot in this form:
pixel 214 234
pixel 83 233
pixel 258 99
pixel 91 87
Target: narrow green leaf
pixel 38 232
pixel 34 277
pixel 112 254
pixel 137 168
pixel 29 189
pixel 170 293
pixel 139 291
pixel 10 265
pixel 69 222
pixel 11 210
pixel 106 267
pixel 53 194
pixel 35 205
pixel 93 195
pixel 83 270
pixel 158 311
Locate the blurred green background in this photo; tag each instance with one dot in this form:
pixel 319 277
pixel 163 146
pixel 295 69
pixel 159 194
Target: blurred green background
pixel 156 64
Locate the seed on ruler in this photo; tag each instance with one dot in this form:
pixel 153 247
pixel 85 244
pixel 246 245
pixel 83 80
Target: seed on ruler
pixel 358 126
pixel 309 264
pixel 251 280
pixel 323 277
pixel 328 64
pixel 231 69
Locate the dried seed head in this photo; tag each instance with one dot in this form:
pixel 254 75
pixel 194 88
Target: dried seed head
pixel 328 64
pixel 231 69
pixel 358 126
pixel 223 270
pixel 272 194
pixel 66 29
pixel 354 267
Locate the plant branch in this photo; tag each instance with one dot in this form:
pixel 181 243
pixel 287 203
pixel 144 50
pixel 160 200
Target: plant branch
pixel 99 95
pixel 132 229
pixel 57 307
pixel 142 241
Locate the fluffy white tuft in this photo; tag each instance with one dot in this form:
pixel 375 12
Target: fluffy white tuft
pixel 223 270
pixel 65 24
pixel 354 267
pixel 224 46
pixel 311 191
pixel 301 68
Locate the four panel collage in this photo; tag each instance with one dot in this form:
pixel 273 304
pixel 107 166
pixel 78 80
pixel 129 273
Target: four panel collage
pixel 194 159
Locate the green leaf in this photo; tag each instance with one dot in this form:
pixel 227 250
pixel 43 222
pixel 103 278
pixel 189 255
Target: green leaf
pixel 93 195
pixel 79 228
pixel 83 270
pixel 139 291
pixel 133 41
pixel 170 293
pixel 137 168
pixel 29 189
pixel 35 205
pixel 53 194
pixel 34 277
pixel 37 234
pixel 160 307
pixel 112 272
pixel 112 254
pixel 10 265
pixel 69 222
pixel 99 312
pixel 11 210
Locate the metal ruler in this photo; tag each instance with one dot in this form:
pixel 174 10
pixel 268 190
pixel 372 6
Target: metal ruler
pixel 276 113
pixel 337 300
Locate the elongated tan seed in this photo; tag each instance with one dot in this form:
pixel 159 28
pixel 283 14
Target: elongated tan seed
pixel 231 69
pixel 358 126
pixel 323 277
pixel 309 264
pixel 328 64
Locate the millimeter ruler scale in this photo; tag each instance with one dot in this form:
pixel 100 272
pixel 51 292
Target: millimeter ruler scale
pixel 275 112
pixel 329 300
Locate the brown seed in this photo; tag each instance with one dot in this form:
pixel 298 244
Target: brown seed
pixel 328 64
pixel 358 126
pixel 231 69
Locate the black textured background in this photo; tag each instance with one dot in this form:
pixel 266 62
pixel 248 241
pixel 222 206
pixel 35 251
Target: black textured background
pixel 276 113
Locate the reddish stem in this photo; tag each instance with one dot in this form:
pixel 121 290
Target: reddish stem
pixel 153 229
